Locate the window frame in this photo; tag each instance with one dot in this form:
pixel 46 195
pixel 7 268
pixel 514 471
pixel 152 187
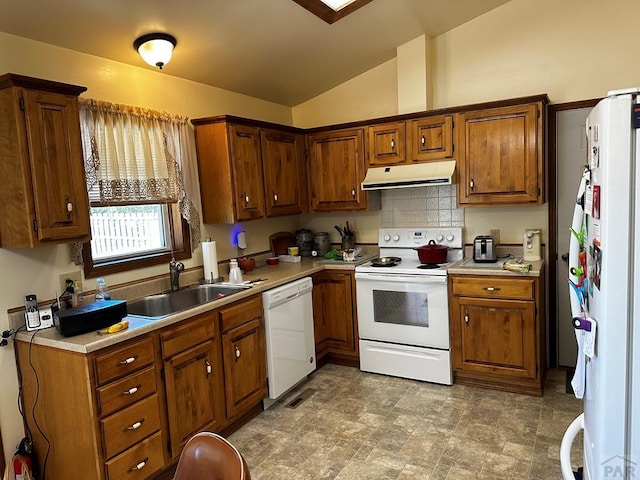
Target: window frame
pixel 181 246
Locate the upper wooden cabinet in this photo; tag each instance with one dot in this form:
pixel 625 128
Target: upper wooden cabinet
pixel 336 169
pixel 386 144
pixel 500 155
pixel 412 141
pixel 43 193
pixel 282 159
pixel 430 138
pixel 246 171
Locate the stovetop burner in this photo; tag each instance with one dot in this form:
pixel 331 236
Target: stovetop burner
pixel 428 266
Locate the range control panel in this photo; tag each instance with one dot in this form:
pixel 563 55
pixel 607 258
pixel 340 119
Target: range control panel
pixel 409 237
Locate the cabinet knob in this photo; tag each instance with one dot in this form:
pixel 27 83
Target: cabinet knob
pixel 128 361
pixel 466 317
pixel 237 352
pixel 423 141
pixel 246 199
pixel 69 206
pixel 134 426
pixel 353 192
pixel 393 144
pixel 140 465
pixel 207 367
pixel 491 289
pixel 471 184
pixel 131 391
pixel 275 197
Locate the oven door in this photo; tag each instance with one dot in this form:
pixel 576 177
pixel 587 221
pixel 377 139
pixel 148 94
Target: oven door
pixel 404 309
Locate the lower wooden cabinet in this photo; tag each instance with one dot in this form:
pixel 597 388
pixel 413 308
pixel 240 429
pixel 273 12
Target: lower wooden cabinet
pixel 100 414
pixel 193 379
pixel 497 332
pixel 334 318
pixel 244 352
pixel 127 410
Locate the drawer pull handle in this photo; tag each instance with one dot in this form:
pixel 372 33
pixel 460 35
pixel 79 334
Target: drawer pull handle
pixel 140 465
pixel 466 317
pixel 471 184
pixel 275 197
pixel 393 144
pixel 128 361
pixel 423 141
pixel 353 192
pixel 237 352
pixel 135 426
pixel 208 367
pixel 491 289
pixel 131 391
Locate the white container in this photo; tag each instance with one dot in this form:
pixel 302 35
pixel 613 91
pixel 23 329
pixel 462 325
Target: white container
pixel 235 274
pixel 531 246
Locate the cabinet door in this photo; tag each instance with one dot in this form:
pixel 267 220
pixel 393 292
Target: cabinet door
pixel 500 156
pixel 57 168
pixel 247 172
pixel 336 169
pixel 282 155
pixel 494 336
pixel 245 370
pixel 334 319
pixel 386 144
pixel 430 138
pixel 194 388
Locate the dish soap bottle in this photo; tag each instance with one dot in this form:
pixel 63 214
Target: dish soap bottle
pixel 235 275
pixel 102 292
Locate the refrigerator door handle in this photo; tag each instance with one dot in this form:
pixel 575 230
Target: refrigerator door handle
pixel 565 447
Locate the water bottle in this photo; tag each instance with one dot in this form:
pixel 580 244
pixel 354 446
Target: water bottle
pixel 235 275
pixel 102 292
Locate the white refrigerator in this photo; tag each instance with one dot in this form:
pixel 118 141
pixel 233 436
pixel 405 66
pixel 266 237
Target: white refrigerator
pixel 604 282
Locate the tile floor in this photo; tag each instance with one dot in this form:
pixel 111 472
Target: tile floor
pixel 358 425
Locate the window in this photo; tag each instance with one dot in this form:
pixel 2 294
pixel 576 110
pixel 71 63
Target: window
pixel 142 209
pixel 331 10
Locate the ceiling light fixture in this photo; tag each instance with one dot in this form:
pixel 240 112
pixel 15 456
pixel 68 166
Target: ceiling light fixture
pixel 155 48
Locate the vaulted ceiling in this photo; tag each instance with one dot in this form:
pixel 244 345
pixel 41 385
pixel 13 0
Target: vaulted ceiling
pixel 275 50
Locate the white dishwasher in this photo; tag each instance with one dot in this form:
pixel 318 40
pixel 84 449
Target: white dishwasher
pixel 288 319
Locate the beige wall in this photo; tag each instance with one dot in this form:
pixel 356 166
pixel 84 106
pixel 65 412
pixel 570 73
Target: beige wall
pixel 569 49
pixel 37 270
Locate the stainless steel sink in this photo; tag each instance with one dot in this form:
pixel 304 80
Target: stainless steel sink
pixel 163 304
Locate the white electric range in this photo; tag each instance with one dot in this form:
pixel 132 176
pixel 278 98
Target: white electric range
pixel 403 307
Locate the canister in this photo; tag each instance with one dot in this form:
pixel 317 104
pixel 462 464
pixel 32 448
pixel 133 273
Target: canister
pixel 322 243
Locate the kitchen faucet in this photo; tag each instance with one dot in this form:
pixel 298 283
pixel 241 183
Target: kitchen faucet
pixel 174 272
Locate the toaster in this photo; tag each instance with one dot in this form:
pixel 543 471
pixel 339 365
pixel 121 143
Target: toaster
pixel 484 249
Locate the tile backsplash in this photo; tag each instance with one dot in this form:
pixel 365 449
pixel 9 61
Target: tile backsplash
pixel 421 207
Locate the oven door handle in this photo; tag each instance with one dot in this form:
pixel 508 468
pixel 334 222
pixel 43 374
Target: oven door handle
pixel 399 278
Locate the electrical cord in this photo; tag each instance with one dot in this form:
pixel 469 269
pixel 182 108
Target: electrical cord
pixel 33 408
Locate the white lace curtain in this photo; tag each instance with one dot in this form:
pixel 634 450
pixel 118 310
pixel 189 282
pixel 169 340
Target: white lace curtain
pixel 137 155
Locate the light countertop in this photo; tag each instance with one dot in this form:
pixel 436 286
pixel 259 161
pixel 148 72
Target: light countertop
pixel 272 276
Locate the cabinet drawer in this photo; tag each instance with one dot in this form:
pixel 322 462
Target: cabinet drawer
pixel 494 287
pixel 138 462
pixel 188 335
pixel 240 313
pixel 126 391
pixel 124 360
pixel 123 429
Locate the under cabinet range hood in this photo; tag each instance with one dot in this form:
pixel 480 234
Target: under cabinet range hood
pixel 403 176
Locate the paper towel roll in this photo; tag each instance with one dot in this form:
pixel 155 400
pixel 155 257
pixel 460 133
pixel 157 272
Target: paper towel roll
pixel 210 261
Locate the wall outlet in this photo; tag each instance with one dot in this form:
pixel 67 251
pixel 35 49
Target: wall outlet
pixel 75 276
